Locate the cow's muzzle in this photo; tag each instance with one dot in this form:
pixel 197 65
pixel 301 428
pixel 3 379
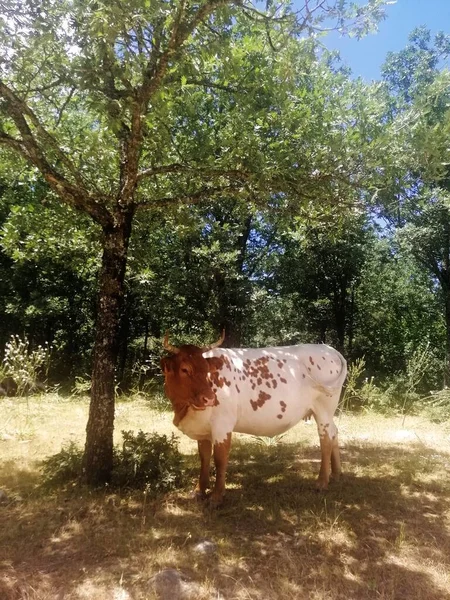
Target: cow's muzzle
pixel 204 402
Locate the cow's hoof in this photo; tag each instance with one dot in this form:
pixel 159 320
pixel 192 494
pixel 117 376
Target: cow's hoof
pixel 199 496
pixel 321 486
pixel 214 501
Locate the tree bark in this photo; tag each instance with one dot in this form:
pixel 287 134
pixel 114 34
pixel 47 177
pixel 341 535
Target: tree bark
pixel 447 336
pixel 98 454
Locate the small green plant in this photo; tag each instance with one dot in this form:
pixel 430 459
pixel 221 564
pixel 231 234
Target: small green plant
pixel 24 365
pixel 82 386
pixel 351 396
pixel 148 461
pixel 269 442
pixel 64 466
pixel 364 395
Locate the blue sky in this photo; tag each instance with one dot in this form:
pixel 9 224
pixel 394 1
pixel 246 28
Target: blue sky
pixel 366 56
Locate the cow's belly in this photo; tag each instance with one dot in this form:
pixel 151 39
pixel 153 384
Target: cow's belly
pixel 268 423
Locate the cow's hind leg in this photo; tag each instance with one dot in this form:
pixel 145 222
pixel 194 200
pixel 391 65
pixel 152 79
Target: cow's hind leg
pixel 329 450
pixel 335 459
pixel 205 451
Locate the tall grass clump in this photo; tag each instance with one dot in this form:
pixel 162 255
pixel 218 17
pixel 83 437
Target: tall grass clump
pixel 24 365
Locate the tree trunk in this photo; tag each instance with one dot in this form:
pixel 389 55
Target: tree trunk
pixel 98 453
pixel 447 337
pixel 340 312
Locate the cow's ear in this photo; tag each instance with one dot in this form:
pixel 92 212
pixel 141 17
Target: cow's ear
pixel 166 364
pixel 215 363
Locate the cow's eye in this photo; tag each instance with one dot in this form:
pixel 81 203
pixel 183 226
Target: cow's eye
pixel 185 370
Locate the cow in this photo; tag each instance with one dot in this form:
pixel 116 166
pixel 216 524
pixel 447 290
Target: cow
pixel 259 391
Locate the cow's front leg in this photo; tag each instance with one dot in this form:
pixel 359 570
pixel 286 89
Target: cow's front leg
pixel 205 451
pixel 221 453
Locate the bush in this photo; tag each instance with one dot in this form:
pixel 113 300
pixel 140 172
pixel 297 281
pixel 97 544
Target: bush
pixel 148 461
pixel 145 461
pixel 64 466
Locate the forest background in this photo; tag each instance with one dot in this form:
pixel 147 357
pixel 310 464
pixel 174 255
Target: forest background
pixel 270 194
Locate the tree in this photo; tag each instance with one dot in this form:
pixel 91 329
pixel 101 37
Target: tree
pixel 419 130
pixel 88 96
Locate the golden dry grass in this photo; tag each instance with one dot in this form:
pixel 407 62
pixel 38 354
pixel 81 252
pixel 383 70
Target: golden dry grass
pixel 383 532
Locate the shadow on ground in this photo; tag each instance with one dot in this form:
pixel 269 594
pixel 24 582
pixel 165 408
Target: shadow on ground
pixel 381 532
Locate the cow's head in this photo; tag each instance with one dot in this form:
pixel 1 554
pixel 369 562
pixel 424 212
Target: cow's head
pixel 187 372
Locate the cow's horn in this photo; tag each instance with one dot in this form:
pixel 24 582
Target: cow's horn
pixel 168 346
pixel 216 344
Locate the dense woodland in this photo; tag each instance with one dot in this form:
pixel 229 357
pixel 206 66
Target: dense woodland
pixel 193 167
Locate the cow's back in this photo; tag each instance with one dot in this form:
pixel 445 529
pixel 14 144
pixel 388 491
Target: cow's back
pixel 269 390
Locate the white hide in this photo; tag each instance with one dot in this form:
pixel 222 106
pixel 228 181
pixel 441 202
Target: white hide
pixel 290 382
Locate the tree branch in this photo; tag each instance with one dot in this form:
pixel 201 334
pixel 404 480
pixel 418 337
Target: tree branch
pixel 29 148
pixel 180 168
pixel 20 107
pixel 192 198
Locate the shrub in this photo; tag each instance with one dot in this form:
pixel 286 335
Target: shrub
pixel 145 461
pixel 148 461
pixel 64 466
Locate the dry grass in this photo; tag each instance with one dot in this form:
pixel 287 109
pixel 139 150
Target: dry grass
pixel 383 532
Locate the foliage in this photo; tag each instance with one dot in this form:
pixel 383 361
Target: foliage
pixel 64 466
pixel 144 461
pixel 148 461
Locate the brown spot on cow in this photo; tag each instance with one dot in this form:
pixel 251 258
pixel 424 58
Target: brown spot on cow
pixel 238 390
pixel 318 366
pixel 268 384
pixel 283 406
pixel 259 381
pixel 303 375
pixel 216 380
pixel 262 399
pixel 279 416
pixel 311 360
pixel 274 383
pixel 280 364
pixel 283 380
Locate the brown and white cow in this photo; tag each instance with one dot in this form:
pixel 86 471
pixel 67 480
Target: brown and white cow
pixel 264 391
